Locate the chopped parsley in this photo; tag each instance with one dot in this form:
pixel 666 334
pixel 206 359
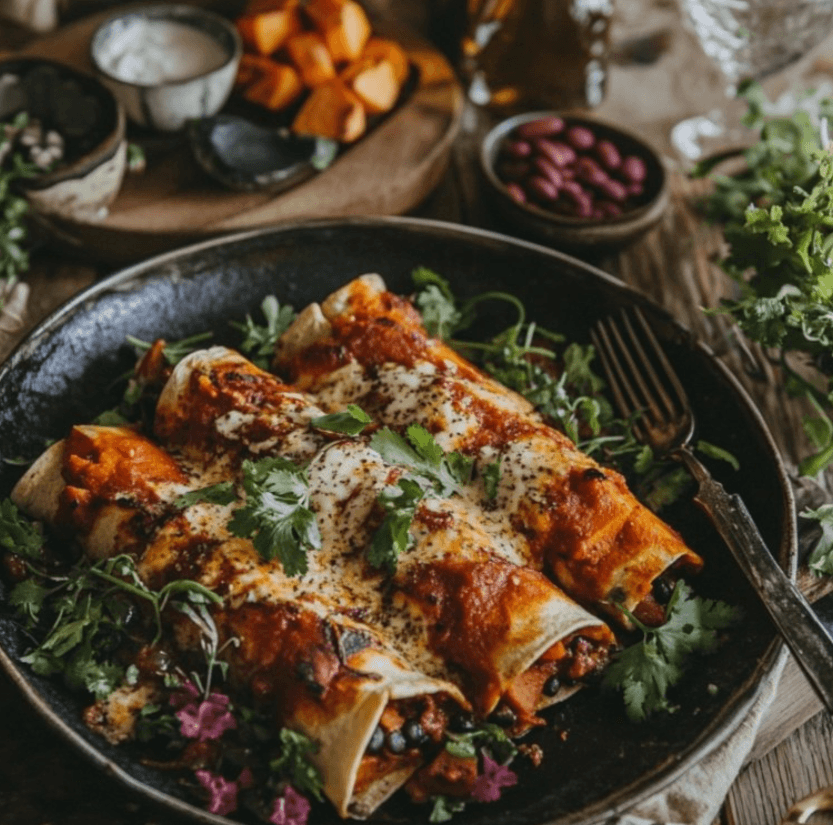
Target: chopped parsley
pixel 260 339
pixel 645 671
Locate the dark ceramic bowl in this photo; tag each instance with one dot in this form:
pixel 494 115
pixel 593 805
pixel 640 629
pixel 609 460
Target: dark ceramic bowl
pixel 565 231
pixel 597 762
pixel 87 178
pixel 167 105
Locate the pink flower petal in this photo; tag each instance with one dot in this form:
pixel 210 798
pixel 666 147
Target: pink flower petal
pixel 290 809
pixel 487 787
pixel 223 793
pixel 208 720
pixel 186 694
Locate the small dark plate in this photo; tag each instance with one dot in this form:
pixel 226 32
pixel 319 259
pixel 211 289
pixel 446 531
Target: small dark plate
pixel 64 372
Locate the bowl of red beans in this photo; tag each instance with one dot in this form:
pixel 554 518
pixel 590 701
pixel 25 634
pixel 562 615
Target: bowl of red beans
pixel 573 181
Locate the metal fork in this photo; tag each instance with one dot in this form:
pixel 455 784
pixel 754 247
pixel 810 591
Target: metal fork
pixel 643 382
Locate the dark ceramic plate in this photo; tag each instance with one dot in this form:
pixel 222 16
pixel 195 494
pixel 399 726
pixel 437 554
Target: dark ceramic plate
pixel 64 372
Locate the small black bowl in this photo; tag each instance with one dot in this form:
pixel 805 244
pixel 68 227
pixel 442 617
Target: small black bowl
pixel 567 231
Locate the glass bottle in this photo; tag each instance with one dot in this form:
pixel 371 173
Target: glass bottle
pixel 526 54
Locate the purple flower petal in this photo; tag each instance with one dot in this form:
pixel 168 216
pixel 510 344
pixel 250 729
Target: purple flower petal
pixel 186 694
pixel 290 809
pixel 223 793
pixel 208 720
pixel 488 785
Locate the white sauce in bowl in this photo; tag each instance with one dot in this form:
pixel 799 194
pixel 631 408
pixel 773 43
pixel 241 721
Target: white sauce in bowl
pixel 150 52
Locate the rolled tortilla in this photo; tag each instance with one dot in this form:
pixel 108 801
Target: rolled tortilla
pixel 460 606
pixel 581 524
pixel 293 651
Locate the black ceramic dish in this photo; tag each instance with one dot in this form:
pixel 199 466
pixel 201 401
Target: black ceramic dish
pixel 64 372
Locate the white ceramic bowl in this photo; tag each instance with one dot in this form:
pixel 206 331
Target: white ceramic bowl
pixel 167 63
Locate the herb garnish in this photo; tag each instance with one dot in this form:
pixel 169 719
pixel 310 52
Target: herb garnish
pixel 646 670
pixel 294 762
pixel 352 420
pixel 276 514
pixel 260 340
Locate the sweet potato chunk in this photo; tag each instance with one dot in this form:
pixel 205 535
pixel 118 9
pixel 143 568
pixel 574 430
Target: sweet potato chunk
pixel 311 57
pixel 374 84
pixel 344 26
pixel 265 32
pixel 380 48
pixel 276 88
pixel 332 111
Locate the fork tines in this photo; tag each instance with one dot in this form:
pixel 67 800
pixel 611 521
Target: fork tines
pixel 633 360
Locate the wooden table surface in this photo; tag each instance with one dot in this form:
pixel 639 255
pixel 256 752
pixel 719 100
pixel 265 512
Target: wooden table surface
pixel 43 781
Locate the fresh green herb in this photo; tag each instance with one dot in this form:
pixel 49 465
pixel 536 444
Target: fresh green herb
pixel 88 610
pixel 14 208
pixel 444 808
pixel 488 735
pixel 259 340
pixel 136 160
pixel 352 420
pixel 294 763
pixel 276 515
pixel 173 351
pixel 645 671
pixel 17 533
pixel 820 560
pixel 437 305
pixel 222 493
pixel 446 473
pixel 491 479
pixel 777 216
pixel 393 536
pixel 713 451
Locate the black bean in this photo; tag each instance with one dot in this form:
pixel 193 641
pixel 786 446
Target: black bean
pixel 377 740
pixel 552 685
pixel 662 588
pixel 396 742
pixel 414 733
pixel 462 723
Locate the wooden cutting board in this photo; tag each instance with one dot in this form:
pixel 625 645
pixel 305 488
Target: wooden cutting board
pixel 388 172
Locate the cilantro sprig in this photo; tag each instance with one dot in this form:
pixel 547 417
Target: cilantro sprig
pixel 259 339
pixel 352 420
pixel 645 671
pixel 276 513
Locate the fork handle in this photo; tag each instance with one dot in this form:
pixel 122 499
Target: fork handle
pixel 796 621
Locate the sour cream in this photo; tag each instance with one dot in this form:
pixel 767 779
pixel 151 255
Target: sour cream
pixel 150 52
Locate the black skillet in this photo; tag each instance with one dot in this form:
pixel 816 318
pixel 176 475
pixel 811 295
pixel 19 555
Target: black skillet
pixel 596 762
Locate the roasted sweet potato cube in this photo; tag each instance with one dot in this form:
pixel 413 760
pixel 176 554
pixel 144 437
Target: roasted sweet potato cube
pixel 374 84
pixel 380 48
pixel 310 55
pixel 331 111
pixel 277 88
pixel 344 26
pixel 266 31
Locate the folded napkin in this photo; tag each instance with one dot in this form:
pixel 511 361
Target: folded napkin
pixel 695 798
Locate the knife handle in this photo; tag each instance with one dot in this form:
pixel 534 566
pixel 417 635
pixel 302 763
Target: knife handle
pixel 796 621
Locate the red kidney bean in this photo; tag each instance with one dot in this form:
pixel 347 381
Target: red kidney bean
pixel 589 171
pixel 581 138
pixel 608 209
pixel 615 190
pixel 516 192
pixel 542 127
pixel 549 170
pixel 542 189
pixel 608 154
pixel 518 149
pixel 633 169
pixel 559 153
pixel 635 190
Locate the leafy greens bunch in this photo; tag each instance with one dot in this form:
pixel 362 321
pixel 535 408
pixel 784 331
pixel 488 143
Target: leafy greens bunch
pixel 777 216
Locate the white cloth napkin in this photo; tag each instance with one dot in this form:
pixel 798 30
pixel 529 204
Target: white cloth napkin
pixel 38 15
pixel 696 797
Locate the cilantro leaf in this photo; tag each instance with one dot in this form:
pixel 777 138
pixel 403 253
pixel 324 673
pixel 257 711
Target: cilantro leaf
pixel 352 420
pixel 294 763
pixel 259 340
pixel 276 515
pixel 488 735
pixel 17 533
pixel 645 671
pixel 222 493
pixel 437 305
pixel 444 808
pixel 820 559
pixel 393 536
pixel 491 479
pixel 28 597
pixel 173 351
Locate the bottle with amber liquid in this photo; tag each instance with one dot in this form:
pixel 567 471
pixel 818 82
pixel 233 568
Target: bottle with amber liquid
pixel 518 55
